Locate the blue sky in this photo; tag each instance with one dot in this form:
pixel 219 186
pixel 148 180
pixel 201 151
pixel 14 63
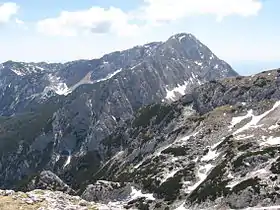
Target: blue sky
pixel 245 33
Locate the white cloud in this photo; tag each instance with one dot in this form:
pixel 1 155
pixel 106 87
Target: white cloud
pixel 113 20
pixel 7 11
pixel 96 20
pixel 21 24
pixel 158 11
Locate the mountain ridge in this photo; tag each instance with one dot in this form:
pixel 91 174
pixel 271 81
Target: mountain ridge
pixel 66 119
pixel 217 147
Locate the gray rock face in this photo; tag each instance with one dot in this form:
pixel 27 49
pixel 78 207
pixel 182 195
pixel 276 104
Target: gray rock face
pixel 104 192
pixel 47 180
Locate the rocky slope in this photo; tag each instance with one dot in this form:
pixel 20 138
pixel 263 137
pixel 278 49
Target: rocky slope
pixel 216 148
pixel 54 116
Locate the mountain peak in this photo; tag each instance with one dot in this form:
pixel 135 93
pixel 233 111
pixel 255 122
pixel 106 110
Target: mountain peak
pixel 181 36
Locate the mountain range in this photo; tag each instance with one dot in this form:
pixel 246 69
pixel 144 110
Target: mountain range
pixel 166 125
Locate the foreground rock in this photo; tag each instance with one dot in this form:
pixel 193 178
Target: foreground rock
pixel 130 198
pixel 104 191
pixel 42 200
pixel 47 180
pixel 118 195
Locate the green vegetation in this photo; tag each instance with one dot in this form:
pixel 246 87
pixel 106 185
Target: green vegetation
pixel 253 182
pixel 176 151
pixel 169 190
pixel 245 146
pixel 271 151
pixel 212 187
pixel 22 185
pixel 146 114
pixel 261 81
pixel 275 167
pixel 83 171
pixel 113 140
pixel 25 127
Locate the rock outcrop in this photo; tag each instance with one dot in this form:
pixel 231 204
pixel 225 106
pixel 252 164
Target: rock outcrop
pixel 47 180
pixel 44 200
pixel 105 191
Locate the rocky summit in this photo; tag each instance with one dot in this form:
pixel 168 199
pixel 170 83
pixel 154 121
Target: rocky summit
pixel 166 125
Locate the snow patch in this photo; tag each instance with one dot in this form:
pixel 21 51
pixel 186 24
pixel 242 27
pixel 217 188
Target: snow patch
pixel 236 120
pixel 109 76
pixel 170 174
pixel 181 37
pixel 204 169
pixel 202 175
pixel 17 72
pixel 133 67
pixel 217 144
pixel 210 155
pixel 68 161
pixel 181 207
pixel 256 119
pixel 61 89
pixel 273 127
pixel 138 194
pixel 57 86
pixel 57 157
pixel 198 63
pixel 271 141
pixel 40 68
pixel 180 89
pixel 194 76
